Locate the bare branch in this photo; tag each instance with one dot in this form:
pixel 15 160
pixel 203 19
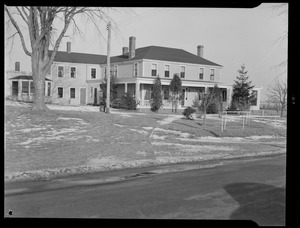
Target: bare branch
pixel 18 30
pixel 21 14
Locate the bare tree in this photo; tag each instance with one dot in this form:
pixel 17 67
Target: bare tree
pixel 208 97
pixel 39 23
pixel 277 94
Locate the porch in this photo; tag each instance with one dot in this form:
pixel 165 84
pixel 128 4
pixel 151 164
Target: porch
pixel 22 89
pixel 142 91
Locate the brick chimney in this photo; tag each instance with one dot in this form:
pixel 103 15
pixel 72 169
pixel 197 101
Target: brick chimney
pixel 125 51
pixel 69 47
pixel 17 66
pixel 132 46
pixel 200 50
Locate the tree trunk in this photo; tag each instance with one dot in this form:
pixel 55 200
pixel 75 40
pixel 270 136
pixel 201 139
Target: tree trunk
pixel 204 115
pixel 281 112
pixel 38 76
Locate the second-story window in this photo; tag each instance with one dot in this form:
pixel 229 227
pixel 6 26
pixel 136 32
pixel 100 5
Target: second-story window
pixel 116 71
pixel 135 69
pixel 212 74
pixel 154 69
pixel 201 74
pixel 73 72
pixel 93 73
pixel 182 71
pixel 167 71
pixel 60 71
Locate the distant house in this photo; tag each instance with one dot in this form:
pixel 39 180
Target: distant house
pixel 76 77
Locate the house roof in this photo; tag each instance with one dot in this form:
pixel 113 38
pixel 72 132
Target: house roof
pixel 74 57
pixel 25 77
pixel 149 52
pixel 164 54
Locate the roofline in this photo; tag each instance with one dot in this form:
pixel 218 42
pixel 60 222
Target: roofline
pixel 164 61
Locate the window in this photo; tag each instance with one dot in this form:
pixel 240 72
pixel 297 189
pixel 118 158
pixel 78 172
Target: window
pixel 201 74
pixel 60 92
pixel 154 69
pixel 60 71
pixel 166 93
pixel 49 89
pixel 93 73
pixel 135 69
pixel 25 86
pixel 73 72
pixel 116 71
pixel 167 71
pixel 72 93
pixel 224 95
pixel 212 74
pixel 31 87
pixel 182 71
pixel 253 100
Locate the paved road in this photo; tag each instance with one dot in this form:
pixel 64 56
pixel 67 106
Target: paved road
pixel 244 189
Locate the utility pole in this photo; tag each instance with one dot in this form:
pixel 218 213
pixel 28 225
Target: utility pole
pixel 108 70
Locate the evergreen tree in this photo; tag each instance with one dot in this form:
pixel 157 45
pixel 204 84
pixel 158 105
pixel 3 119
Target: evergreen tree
pixel 241 91
pixel 113 88
pixel 157 95
pixel 175 88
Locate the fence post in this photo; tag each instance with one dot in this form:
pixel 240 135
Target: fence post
pixel 243 123
pixel 222 124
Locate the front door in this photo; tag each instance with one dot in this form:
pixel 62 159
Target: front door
pixel 82 96
pixel 15 88
pixel 95 96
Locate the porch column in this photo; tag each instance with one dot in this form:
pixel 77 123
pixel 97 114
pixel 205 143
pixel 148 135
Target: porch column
pixel 20 89
pixel 125 87
pixel 137 90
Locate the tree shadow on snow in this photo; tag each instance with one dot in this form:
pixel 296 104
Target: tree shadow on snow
pixel 261 203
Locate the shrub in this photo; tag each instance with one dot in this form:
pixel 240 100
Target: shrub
pixel 212 108
pixel 126 102
pixel 157 96
pixel 188 112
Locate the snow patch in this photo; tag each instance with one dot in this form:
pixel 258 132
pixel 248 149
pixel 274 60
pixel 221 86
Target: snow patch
pixel 180 133
pixel 169 119
pixel 140 131
pixel 147 128
pixel 32 129
pixel 194 148
pixel 163 137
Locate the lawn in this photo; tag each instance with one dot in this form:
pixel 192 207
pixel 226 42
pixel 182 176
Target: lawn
pixel 59 142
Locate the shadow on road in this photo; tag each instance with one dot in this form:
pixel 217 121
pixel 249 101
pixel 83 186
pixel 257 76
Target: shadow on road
pixel 262 203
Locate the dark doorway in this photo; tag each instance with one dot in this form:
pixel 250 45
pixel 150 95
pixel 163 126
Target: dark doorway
pixel 15 88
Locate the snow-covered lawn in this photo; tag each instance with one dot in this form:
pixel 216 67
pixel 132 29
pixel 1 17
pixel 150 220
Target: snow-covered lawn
pixel 73 140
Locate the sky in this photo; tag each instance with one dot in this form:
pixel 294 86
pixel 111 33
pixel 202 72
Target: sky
pixel 231 37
